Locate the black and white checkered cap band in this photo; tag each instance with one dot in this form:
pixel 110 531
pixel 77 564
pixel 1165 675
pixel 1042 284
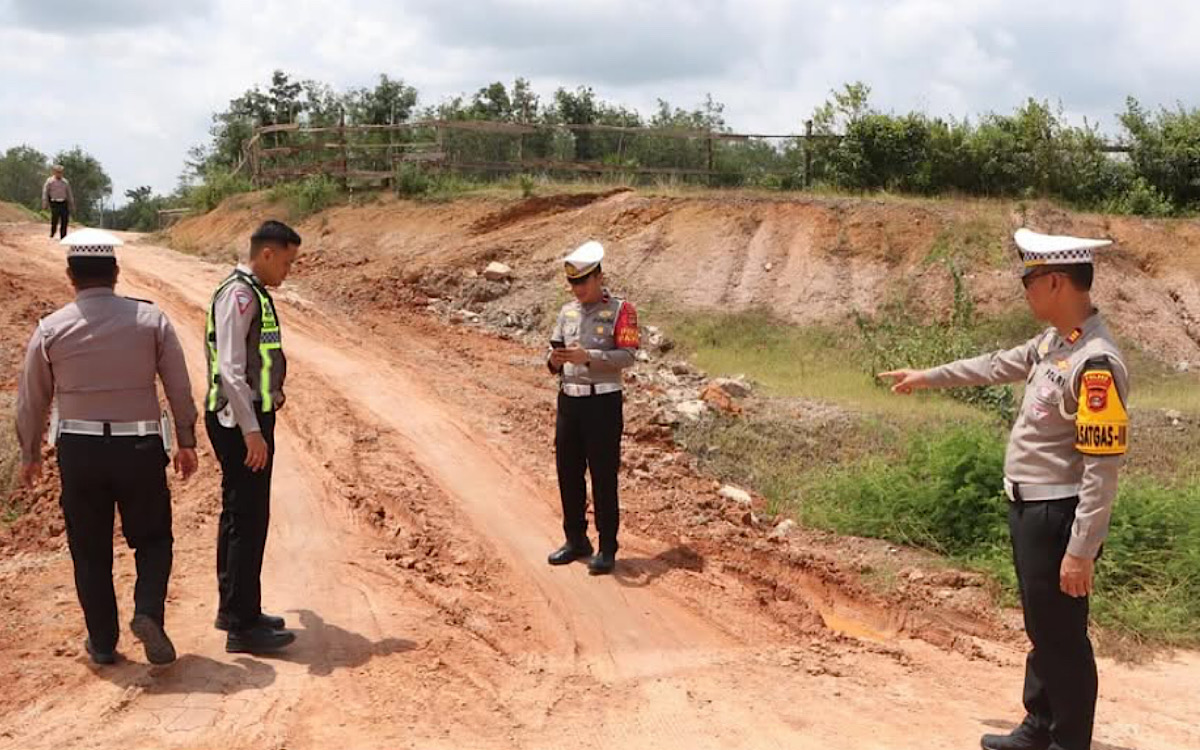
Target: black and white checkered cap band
pixel 1058 257
pixel 90 251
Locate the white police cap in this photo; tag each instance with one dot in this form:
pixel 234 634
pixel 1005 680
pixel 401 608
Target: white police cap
pixel 1038 250
pixel 91 243
pixel 584 259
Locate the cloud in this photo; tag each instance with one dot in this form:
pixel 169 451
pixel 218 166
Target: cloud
pixel 77 16
pixel 616 43
pixel 135 82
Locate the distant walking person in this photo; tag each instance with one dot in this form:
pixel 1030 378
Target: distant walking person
pixel 246 370
pixel 58 197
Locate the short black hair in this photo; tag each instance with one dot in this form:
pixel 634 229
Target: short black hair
pixel 1081 275
pixel 272 232
pixel 93 271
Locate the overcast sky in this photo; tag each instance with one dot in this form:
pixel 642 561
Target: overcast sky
pixel 135 82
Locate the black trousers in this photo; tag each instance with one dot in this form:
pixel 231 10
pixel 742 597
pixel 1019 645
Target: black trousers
pixel 60 216
pixel 1060 671
pixel 587 438
pixel 129 474
pixel 245 515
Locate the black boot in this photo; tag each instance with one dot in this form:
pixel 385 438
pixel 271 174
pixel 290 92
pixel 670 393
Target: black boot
pixel 569 553
pixel 159 649
pixel 99 657
pixel 264 620
pixel 258 641
pixel 602 564
pixel 1025 737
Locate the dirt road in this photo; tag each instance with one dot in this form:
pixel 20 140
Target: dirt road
pixel 411 519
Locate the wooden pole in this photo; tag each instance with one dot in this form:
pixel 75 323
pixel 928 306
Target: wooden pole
pixel 391 156
pixel 710 160
pixel 808 131
pixel 345 151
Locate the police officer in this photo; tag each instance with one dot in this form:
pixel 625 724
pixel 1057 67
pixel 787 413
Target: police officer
pixel 97 358
pixel 1061 468
pixel 246 371
pixel 594 339
pixel 60 199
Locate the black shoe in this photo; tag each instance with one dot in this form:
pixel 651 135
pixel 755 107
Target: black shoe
pixel 569 553
pixel 159 649
pixel 1024 737
pixel 258 641
pixel 264 620
pixel 602 564
pixel 99 657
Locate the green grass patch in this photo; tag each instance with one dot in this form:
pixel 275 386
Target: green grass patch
pixel 944 495
pixel 976 241
pixel 1156 385
pixel 927 471
pixel 775 453
pixel 816 363
pixel 216 187
pixel 308 196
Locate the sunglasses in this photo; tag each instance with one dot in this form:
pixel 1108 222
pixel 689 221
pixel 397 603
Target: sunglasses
pixel 1027 281
pixel 580 280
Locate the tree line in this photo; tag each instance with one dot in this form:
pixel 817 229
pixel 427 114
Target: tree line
pixel 1032 152
pixel 24 169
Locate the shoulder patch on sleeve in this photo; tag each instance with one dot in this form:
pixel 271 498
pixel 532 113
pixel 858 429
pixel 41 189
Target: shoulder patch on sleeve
pixel 1102 423
pixel 625 332
pixel 243 299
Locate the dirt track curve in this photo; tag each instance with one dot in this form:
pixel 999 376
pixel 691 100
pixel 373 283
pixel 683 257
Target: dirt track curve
pixel 465 638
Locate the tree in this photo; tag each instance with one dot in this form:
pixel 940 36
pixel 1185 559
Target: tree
pixel 284 99
pixel 1166 150
pixel 140 212
pixel 23 171
pixel 492 103
pixel 233 127
pixel 578 107
pixel 89 182
pixel 322 106
pixel 526 107
pixel 392 101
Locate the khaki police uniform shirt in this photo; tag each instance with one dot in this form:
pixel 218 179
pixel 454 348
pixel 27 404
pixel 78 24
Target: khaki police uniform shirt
pixel 99 357
pixel 236 311
pixel 1050 444
pixel 58 189
pixel 608 330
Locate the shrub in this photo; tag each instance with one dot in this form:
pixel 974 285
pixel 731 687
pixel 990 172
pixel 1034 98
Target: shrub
pixel 308 196
pixel 218 185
